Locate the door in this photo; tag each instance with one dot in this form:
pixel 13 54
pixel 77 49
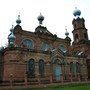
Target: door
pixel 57 73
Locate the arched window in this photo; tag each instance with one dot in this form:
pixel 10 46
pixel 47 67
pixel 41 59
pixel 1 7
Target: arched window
pixel 31 68
pixel 62 48
pixel 41 67
pixel 77 67
pixel 57 61
pixel 85 35
pixel 73 68
pixel 75 25
pixel 76 37
pixel 28 43
pixel 45 46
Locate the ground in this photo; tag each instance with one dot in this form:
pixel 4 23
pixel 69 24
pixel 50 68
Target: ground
pixel 57 87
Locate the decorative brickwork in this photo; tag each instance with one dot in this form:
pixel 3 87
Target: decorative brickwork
pixel 41 57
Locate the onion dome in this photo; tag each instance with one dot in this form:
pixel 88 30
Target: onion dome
pixel 1 49
pixel 77 12
pixel 11 36
pixel 11 30
pixel 18 21
pixel 66 33
pixel 40 19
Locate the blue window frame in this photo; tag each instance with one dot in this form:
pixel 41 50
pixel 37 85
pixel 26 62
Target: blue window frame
pixel 28 43
pixel 31 68
pixel 41 68
pixel 45 46
pixel 62 48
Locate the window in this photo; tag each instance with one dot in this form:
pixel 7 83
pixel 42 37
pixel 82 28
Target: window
pixel 85 35
pixel 73 68
pixel 45 46
pixel 28 43
pixel 76 37
pixel 41 68
pixel 31 68
pixel 77 67
pixel 57 61
pixel 74 25
pixel 62 48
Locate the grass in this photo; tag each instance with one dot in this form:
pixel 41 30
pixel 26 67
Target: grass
pixel 67 87
pixel 71 88
pixel 57 87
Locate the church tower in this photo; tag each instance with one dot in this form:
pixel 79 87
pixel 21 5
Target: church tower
pixel 79 30
pixel 81 42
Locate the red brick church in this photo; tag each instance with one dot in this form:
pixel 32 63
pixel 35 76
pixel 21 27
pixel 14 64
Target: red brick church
pixel 42 57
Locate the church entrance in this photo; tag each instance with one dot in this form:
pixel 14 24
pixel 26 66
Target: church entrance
pixel 57 73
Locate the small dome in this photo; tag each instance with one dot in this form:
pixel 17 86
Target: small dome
pixel 18 21
pixel 11 43
pixel 11 39
pixel 66 33
pixel 11 30
pixel 40 18
pixel 11 36
pixel 76 12
pixel 1 48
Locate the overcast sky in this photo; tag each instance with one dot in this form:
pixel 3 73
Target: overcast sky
pixel 57 13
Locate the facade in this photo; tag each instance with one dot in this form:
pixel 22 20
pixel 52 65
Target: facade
pixel 41 57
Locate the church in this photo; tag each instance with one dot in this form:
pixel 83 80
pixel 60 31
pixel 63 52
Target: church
pixel 41 57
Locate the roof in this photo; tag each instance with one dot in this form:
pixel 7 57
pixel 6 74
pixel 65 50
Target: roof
pixel 42 29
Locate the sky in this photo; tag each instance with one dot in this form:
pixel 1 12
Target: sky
pixel 57 14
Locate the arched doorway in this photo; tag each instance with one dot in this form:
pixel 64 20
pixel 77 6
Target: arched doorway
pixel 57 71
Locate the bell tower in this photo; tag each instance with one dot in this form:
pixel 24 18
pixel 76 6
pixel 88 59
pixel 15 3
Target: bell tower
pixel 79 29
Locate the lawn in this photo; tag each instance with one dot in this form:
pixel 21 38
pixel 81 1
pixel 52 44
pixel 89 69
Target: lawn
pixel 68 87
pixel 57 87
